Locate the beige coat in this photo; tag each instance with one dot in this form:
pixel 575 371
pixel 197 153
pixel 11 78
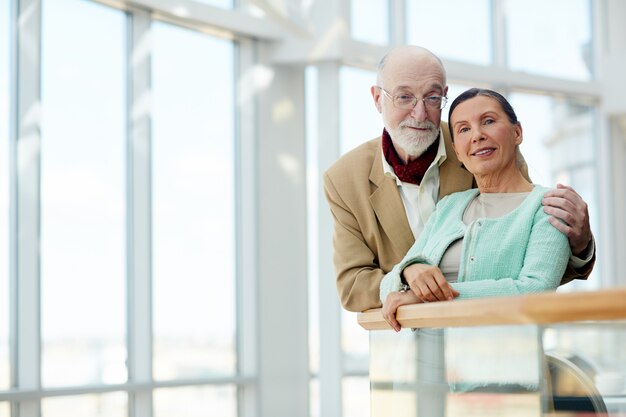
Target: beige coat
pixel 371 230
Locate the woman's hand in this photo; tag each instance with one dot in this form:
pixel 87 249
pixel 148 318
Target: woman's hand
pixel 428 283
pixel 394 300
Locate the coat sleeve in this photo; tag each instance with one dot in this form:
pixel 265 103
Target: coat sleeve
pixel 572 273
pixel 358 273
pixel 546 257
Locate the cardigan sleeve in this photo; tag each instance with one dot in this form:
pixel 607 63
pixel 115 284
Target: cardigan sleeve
pixel 546 257
pixel 392 280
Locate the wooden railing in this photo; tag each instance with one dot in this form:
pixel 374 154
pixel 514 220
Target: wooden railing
pixel 608 304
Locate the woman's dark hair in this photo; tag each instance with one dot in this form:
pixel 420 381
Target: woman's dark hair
pixel 473 92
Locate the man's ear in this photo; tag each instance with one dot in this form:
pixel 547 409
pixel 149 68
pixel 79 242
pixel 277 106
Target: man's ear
pixel 376 96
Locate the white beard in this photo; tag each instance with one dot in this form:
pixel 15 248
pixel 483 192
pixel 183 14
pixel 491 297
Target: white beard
pixel 412 142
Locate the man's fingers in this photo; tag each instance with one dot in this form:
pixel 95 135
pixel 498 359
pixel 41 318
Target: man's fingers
pixel 560 226
pixel 563 215
pixel 560 186
pixel 561 203
pixel 565 197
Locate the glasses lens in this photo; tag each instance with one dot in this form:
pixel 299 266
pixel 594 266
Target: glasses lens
pixel 404 101
pixel 433 101
pixel 444 100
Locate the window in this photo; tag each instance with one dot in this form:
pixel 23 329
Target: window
pixel 454 90
pixel 83 194
pixel 559 43
pixel 361 120
pixel 196 401
pixel 369 21
pixel 193 205
pixel 360 123
pixel 442 26
pixel 97 405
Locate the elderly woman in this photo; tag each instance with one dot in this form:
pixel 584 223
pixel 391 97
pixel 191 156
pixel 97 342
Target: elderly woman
pixel 491 241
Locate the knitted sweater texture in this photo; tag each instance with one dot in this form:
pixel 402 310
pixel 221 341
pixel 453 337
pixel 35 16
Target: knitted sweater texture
pixel 518 253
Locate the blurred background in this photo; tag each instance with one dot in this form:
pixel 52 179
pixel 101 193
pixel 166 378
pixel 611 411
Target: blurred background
pixel 165 248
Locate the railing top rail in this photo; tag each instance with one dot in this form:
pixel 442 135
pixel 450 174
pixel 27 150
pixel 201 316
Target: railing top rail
pixel 607 304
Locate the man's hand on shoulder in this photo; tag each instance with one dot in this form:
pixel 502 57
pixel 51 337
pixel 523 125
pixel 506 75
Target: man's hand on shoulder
pixel 570 216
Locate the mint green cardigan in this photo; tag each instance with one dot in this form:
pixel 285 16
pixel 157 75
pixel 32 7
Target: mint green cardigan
pixel 518 253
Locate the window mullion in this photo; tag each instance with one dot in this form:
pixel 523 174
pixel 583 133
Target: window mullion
pixel 27 151
pixel 139 213
pixel 246 240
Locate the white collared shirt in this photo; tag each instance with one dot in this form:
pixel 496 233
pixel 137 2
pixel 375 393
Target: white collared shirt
pixel 420 200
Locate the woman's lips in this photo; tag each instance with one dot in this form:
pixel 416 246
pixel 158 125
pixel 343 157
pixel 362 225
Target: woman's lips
pixel 484 152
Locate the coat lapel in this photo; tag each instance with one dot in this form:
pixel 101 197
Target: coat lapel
pixel 389 209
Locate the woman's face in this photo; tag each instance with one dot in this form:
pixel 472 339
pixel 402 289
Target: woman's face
pixel 484 139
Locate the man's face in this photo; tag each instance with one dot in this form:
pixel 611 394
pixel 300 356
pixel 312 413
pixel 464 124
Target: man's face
pixel 412 130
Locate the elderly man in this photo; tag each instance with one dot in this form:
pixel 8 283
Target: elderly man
pixel 382 192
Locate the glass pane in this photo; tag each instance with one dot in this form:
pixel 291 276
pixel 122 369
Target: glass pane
pixel 356 397
pixel 457 372
pixel 559 147
pixel 442 27
pixel 360 119
pixel 5 409
pixel 369 21
pixel 360 122
pixel 193 204
pixel 354 342
pixel 314 398
pixel 559 43
pixel 83 194
pixel 454 90
pixel 114 404
pixel 196 401
pixel 581 367
pixel 4 197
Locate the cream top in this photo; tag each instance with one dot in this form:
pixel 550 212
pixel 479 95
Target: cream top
pixel 489 205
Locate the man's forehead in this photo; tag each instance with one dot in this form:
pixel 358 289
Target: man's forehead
pixel 409 80
pixel 411 71
pixel 433 86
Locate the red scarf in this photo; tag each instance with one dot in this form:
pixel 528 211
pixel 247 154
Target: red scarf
pixel 414 171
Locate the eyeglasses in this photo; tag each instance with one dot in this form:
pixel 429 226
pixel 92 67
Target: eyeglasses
pixel 408 101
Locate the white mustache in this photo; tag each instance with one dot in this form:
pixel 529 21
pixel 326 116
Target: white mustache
pixel 418 125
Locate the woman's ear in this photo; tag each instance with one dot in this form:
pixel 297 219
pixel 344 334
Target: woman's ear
pixel 519 137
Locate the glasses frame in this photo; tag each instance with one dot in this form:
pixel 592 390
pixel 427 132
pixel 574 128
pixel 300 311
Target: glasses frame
pixel 444 101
